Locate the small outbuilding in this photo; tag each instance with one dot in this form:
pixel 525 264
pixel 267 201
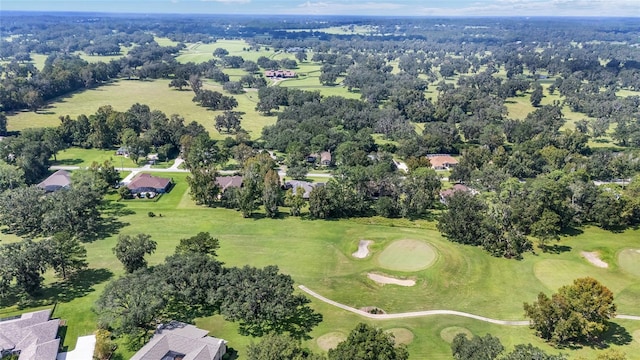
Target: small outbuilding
pixel 147 183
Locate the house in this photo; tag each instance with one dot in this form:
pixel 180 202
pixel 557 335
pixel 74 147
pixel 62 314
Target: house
pixel 325 158
pixel 149 183
pixel 295 184
pixel 442 161
pixel 225 182
pixel 60 179
pixel 177 340
pixel 122 151
pixel 444 194
pixel 284 74
pixel 32 335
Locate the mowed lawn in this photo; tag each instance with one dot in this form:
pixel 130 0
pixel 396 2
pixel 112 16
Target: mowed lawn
pixel 317 254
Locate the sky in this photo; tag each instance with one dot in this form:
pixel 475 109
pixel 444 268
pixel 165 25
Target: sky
pixel 624 8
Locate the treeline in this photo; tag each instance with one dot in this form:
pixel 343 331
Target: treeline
pixel 192 283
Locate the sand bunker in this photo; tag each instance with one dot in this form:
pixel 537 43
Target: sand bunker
pixel 363 249
pixel 594 258
pixel 381 279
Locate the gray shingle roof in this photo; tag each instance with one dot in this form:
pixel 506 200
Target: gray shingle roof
pixel 33 334
pixel 184 339
pixel 58 180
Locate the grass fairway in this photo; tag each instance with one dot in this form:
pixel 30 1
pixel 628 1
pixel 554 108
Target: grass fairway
pixel 317 254
pixel 157 94
pixel 407 255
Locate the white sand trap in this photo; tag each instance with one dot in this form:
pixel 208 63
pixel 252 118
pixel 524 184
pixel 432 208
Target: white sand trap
pixel 381 279
pixel 594 259
pixel 363 249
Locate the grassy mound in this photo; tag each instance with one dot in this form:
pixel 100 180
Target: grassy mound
pixel 407 255
pixel 330 340
pixel 447 334
pixel 401 335
pixel 629 261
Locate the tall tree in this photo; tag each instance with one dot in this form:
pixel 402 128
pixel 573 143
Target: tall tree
pixel 274 346
pixel 130 250
pixel 263 301
pixel 368 343
pixel 476 348
pixel 66 254
pixel 577 312
pixel 202 243
pixel 271 193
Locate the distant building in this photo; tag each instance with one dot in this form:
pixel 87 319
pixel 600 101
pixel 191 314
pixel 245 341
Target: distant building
pixel 305 185
pixel 149 183
pixel 32 335
pixel 60 179
pixel 324 158
pixel 442 161
pixel 282 74
pixel 178 340
pixel 226 182
pixel 445 194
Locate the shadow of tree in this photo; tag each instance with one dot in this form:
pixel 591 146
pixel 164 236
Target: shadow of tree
pixel 64 291
pixel 556 249
pixel 616 335
pixel 232 354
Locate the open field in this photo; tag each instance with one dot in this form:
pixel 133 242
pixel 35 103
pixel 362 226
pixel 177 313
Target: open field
pixel 124 93
pixel 317 254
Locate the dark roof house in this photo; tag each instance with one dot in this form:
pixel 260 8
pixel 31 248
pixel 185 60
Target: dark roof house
pixel 32 335
pixel 286 74
pixel 178 340
pixel 60 179
pixel 305 185
pixel 226 182
pixel 149 183
pixel 444 194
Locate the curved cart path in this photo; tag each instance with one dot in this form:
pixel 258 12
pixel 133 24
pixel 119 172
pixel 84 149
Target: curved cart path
pixel 428 312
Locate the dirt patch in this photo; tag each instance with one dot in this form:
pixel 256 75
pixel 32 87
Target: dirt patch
pixel 401 335
pixel 330 340
pixel 383 280
pixel 594 259
pixel 363 249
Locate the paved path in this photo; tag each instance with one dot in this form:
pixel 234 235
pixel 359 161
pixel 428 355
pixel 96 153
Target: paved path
pixel 428 312
pixel 83 351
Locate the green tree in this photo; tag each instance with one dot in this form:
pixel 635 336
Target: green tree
pixel 296 201
pixel 577 312
pixel 419 192
pixel 132 306
pixel 66 254
pixel 203 243
pixel 203 187
pixel 536 95
pixel 368 343
pixel 24 261
pixel 282 347
pixel 263 301
pixel 11 176
pixel 104 345
pixel 130 250
pixel 530 352
pixel 546 228
pixel 22 210
pixel 476 348
pixel 3 124
pixel 463 219
pixel 271 193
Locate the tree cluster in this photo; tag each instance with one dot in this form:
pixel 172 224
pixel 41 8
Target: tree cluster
pixel 192 283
